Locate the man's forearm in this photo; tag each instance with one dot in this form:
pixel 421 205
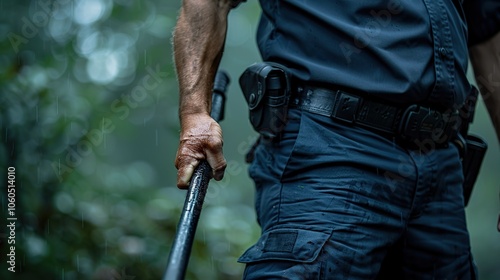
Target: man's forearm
pixel 198 42
pixel 485 59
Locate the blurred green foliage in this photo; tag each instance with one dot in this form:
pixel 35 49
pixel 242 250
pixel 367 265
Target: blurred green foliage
pixel 88 113
pixel 88 117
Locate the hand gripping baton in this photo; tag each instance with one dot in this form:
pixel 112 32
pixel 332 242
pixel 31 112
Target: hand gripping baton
pixel 186 229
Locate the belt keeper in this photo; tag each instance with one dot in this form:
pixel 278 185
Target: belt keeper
pixel 347 107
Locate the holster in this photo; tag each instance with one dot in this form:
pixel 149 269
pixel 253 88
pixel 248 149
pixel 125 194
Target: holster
pixel 471 163
pixel 266 88
pixel 473 147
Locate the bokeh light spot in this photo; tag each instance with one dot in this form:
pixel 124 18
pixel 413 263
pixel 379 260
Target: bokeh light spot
pixel 103 66
pixel 88 11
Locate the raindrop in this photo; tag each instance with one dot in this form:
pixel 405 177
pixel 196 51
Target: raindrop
pixel 104 139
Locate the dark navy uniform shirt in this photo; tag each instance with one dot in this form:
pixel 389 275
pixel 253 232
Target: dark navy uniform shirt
pixel 406 51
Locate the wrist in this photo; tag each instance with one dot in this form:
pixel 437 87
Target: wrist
pixel 193 106
pixel 194 120
pixel 189 115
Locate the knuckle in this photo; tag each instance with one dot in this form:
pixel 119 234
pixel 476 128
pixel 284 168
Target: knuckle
pixel 215 143
pixel 220 166
pixel 183 162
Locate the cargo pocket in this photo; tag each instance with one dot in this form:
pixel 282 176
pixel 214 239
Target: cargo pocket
pixel 290 252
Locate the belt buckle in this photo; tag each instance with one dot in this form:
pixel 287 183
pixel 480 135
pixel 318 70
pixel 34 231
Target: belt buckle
pixel 424 127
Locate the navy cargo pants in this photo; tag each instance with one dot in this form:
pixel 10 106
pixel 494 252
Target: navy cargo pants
pixel 340 202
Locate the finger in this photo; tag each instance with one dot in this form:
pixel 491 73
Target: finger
pixel 185 162
pixel 184 174
pixel 218 164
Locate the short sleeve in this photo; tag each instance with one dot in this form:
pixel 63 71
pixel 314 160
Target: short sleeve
pixel 483 19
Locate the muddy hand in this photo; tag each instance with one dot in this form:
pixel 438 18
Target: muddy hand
pixel 201 138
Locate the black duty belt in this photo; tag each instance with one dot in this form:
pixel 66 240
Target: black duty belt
pixel 417 126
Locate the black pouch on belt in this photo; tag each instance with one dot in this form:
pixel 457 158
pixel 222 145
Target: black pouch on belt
pixel 266 87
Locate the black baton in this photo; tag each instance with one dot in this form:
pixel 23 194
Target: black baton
pixel 186 229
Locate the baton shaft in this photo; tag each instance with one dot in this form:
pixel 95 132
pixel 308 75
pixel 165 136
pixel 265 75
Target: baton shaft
pixel 186 229
pixel 181 249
